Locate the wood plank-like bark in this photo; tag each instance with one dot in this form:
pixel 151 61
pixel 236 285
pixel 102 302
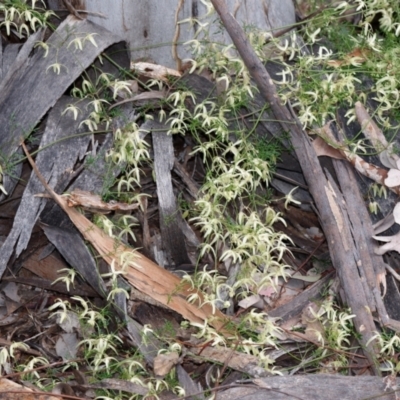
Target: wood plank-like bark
pixel 41 82
pixel 80 258
pixel 173 239
pixel 313 387
pixel 59 153
pixel 297 305
pixel 149 26
pixel 328 206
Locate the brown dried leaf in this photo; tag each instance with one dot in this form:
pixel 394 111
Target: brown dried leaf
pixel 67 346
pixel 163 363
pixel 13 391
pixel 372 132
pixel 315 331
pixel 371 171
pixel 118 384
pixel 324 149
pixel 355 57
pixel 238 361
pixel 370 129
pixel 306 278
pixel 396 213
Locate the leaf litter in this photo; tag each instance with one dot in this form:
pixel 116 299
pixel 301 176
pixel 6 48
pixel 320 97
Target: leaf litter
pixel 160 288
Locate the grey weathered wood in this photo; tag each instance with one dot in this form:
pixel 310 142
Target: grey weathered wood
pixel 79 289
pixel 370 265
pixel 73 249
pixel 18 64
pixel 147 344
pixel 9 56
pixel 53 160
pixel 149 26
pixel 313 387
pixel 91 179
pixel 21 110
pixel 172 237
pixel 191 387
pixel 1 58
pixel 14 65
pixel 297 305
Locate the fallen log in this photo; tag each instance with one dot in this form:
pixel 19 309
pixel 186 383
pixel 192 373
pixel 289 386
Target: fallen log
pixel 316 387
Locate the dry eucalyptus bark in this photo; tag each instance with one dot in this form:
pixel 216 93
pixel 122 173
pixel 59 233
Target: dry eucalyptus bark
pixel 299 302
pixel 172 237
pixel 42 84
pixel 315 387
pixel 59 154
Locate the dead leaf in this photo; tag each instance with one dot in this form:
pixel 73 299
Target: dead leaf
pixel 384 224
pixel 251 301
pixel 267 291
pixel 246 363
pixel 315 331
pixel 63 388
pixel 396 213
pixel 378 140
pixel 70 322
pixel 11 291
pixel 355 57
pixel 67 346
pixel 393 243
pixel 369 170
pixel 386 157
pixel 370 129
pixel 118 384
pixel 324 149
pixel 393 178
pixel 13 391
pixel 163 363
pixel 306 278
